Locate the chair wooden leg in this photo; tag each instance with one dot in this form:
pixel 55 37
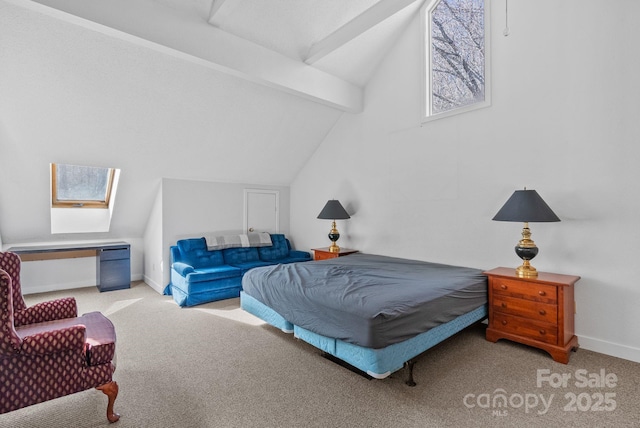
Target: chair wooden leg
pixel 111 391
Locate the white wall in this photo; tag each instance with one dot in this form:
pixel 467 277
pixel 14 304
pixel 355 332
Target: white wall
pixel 564 121
pixel 153 249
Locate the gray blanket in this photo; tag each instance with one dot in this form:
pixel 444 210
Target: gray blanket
pixel 369 300
pixel 257 239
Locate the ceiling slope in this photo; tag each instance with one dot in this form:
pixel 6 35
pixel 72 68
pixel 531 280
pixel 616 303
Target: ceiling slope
pixel 171 88
pixel 183 34
pixel 73 95
pixel 325 50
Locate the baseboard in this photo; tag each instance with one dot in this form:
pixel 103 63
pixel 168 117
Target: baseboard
pixel 55 287
pixel 614 349
pixel 46 288
pixel 159 288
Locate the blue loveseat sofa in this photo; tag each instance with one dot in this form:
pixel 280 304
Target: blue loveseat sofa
pixel 200 275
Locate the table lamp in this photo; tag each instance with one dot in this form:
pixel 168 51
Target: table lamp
pixel 526 206
pixel 333 210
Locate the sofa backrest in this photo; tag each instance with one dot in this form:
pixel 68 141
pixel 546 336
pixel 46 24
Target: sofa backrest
pixel 278 250
pixel 194 252
pixel 234 256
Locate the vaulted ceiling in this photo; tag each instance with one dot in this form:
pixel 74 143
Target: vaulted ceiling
pixel 325 50
pixel 223 90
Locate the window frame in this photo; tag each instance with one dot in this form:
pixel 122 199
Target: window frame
pixel 427 65
pixel 80 203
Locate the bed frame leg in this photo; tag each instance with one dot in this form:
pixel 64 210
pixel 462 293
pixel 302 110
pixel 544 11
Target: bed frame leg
pixel 409 366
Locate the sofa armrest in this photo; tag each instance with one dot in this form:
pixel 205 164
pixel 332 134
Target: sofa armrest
pixel 300 254
pixel 55 341
pixel 47 311
pixel 182 269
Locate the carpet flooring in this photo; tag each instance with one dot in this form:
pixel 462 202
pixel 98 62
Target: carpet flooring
pixel 216 366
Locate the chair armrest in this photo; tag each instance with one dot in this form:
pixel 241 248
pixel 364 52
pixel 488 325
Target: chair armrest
pixel 47 311
pixel 55 341
pixel 182 269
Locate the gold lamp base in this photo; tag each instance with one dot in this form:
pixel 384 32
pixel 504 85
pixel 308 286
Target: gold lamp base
pixel 526 270
pixel 334 235
pixel 526 250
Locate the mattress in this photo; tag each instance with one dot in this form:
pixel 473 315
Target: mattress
pixel 368 300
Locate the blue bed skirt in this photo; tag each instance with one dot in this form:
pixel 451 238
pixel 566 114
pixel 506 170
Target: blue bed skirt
pixel 265 313
pixel 377 363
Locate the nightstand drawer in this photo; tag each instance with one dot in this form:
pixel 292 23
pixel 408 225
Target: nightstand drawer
pixel 537 330
pixel 524 290
pixel 324 256
pixel 525 308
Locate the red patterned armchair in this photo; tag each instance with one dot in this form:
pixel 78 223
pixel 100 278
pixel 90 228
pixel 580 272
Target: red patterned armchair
pixel 47 351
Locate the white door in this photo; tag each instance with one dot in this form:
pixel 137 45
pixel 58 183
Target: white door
pixel 261 210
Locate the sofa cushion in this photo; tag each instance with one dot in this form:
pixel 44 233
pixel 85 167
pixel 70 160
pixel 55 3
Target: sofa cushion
pixel 279 250
pixel 194 252
pixel 250 265
pixel 213 273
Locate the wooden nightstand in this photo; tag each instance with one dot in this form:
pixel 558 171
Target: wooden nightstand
pixel 324 253
pixel 537 311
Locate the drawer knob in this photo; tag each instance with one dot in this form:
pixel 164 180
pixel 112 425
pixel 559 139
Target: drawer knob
pixel 504 305
pixel 542 293
pixel 504 287
pixel 543 331
pixel 542 312
pixel 504 322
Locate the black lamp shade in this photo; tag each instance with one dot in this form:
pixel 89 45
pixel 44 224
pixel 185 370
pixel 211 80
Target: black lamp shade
pixel 526 206
pixel 333 210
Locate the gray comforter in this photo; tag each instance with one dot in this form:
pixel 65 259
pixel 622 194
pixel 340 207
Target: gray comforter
pixel 369 300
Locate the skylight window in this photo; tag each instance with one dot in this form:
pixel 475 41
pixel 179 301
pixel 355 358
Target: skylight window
pixel 456 60
pixel 75 186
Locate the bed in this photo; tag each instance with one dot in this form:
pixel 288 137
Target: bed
pixel 375 313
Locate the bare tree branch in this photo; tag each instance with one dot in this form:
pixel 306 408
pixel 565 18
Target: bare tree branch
pixel 457 43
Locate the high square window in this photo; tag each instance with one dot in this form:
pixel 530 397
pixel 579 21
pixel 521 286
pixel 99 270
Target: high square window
pixel 457 57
